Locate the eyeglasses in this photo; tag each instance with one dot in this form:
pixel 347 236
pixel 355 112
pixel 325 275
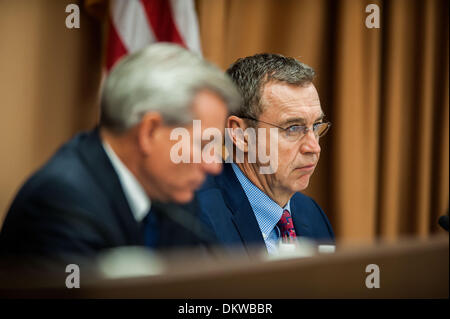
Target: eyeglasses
pixel 296 132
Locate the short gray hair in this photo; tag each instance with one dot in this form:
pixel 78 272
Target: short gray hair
pixel 165 78
pixel 252 73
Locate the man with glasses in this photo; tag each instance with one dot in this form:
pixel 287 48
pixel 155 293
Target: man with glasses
pixel 246 207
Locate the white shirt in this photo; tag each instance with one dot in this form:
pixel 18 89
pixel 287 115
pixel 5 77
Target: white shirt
pixel 137 199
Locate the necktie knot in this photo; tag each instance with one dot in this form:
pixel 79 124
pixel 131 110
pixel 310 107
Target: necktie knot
pixel 286 227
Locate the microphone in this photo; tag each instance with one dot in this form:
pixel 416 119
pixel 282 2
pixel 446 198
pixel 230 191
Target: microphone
pixel 443 222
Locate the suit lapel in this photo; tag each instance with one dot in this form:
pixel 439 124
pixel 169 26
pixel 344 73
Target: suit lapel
pixel 93 154
pixel 302 228
pixel 243 216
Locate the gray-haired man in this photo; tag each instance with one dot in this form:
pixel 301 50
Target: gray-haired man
pixel 97 190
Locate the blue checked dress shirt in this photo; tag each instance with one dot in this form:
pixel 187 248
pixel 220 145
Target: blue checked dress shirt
pixel 267 212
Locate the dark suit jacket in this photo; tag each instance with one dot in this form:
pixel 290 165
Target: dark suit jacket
pixel 227 211
pixel 75 205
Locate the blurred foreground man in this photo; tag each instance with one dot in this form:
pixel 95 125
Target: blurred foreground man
pixel 97 191
pixel 256 201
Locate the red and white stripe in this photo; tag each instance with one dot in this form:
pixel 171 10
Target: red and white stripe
pixel 134 24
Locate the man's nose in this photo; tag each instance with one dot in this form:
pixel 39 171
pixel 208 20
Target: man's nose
pixel 310 144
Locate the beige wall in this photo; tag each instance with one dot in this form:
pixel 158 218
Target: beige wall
pixel 383 171
pixel 49 79
pixel 378 176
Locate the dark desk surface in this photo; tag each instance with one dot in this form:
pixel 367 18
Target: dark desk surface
pixel 411 268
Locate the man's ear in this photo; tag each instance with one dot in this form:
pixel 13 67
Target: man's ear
pixel 148 131
pixel 236 127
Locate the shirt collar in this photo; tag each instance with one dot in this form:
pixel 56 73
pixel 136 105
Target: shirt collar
pixel 267 212
pixel 137 199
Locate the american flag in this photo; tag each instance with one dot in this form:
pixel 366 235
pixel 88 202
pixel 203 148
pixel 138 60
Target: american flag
pixel 134 24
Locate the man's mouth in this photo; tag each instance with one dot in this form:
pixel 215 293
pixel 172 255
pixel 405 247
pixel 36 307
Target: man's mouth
pixel 309 167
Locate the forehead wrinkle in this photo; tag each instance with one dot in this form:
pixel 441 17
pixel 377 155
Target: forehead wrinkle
pixel 295 117
pixel 288 101
pixel 290 94
pixel 293 113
